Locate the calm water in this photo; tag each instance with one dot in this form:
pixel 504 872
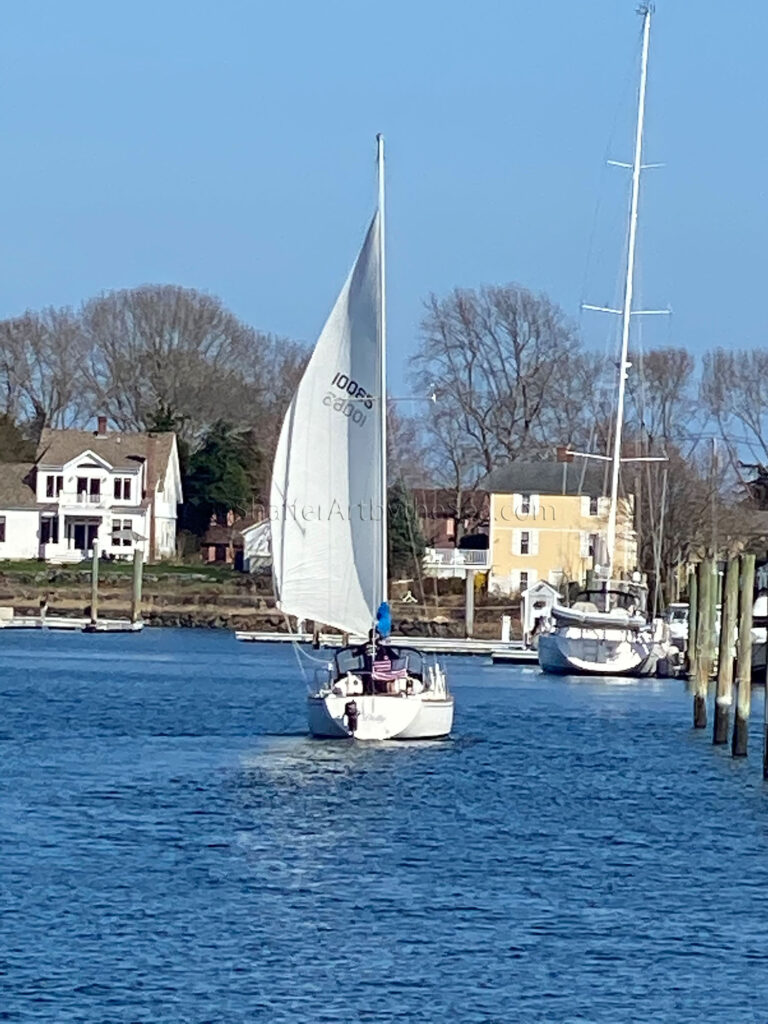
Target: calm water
pixel 175 849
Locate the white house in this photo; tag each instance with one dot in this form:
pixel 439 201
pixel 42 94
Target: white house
pixel 119 489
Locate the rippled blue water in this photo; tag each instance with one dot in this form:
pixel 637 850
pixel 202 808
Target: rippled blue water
pixel 175 849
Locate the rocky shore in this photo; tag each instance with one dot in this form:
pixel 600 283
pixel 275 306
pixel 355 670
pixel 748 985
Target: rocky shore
pixel 207 598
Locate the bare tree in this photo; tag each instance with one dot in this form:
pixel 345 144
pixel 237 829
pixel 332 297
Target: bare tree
pixel 41 361
pixel 495 358
pixel 734 390
pixel 162 346
pixel 660 399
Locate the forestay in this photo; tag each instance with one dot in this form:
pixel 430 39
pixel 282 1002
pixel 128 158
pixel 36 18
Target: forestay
pixel 326 502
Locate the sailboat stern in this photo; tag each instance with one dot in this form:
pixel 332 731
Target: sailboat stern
pixel 380 717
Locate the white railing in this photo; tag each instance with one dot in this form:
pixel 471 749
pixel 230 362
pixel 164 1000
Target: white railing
pixel 457 558
pixel 81 499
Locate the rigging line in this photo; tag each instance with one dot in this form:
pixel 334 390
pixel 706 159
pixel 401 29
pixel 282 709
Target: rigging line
pixel 296 651
pixel 618 112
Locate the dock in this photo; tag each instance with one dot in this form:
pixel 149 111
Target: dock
pixel 514 653
pixel 507 652
pixel 72 625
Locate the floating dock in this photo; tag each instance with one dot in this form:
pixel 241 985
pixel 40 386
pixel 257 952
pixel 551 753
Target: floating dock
pixel 73 625
pixel 510 652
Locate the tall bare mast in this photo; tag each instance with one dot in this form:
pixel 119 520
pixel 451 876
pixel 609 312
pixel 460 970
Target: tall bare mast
pixel 628 290
pixel 383 362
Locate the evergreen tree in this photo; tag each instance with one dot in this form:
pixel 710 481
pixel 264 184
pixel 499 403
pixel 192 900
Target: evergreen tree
pixel 14 446
pixel 165 420
pixel 406 541
pixel 222 476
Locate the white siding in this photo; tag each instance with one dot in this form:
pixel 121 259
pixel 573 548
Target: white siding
pixel 22 539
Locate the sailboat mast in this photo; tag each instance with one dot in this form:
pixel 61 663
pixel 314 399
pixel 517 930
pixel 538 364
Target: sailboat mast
pixel 628 288
pixel 382 363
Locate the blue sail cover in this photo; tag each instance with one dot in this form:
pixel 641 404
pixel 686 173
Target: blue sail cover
pixel 383 619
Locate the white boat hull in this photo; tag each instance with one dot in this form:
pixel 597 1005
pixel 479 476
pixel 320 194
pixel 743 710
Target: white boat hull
pixel 563 653
pixel 381 717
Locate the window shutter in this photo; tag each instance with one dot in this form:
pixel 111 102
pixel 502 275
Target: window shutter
pixel 584 505
pixel 532 577
pixel 533 544
pixel 603 506
pixel 535 504
pixel 516 542
pixel 584 549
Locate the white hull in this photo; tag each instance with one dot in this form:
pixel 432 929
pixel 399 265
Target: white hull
pixel 563 652
pixel 382 717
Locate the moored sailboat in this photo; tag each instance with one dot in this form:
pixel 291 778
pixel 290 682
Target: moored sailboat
pixel 329 519
pixel 606 632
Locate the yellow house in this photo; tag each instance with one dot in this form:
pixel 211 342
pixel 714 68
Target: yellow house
pixel 548 521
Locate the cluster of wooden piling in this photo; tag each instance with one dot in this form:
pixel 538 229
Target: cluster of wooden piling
pixel 138 568
pixel 731 651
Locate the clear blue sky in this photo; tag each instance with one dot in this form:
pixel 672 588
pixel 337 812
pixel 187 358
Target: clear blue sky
pixel 229 146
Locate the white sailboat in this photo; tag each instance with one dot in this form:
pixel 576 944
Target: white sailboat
pixel 607 632
pixel 329 521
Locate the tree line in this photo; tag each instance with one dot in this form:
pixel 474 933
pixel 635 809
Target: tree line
pixel 512 380
pixel 508 373
pixel 158 357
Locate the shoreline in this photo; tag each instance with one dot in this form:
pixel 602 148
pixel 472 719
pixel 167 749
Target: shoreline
pixel 206 597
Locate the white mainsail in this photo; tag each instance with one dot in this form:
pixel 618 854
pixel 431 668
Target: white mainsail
pixel 327 502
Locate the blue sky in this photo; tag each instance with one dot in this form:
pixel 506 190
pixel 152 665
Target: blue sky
pixel 229 147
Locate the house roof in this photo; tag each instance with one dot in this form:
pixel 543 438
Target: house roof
pixel 17 485
pixel 440 502
pixel 120 450
pixel 547 478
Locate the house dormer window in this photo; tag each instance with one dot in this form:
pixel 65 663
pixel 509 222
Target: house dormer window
pixel 123 488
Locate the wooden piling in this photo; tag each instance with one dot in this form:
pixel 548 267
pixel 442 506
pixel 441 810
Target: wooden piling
pixel 703 646
pixel 469 603
pixel 693 613
pixel 95 583
pixel 138 566
pixel 744 658
pixel 724 697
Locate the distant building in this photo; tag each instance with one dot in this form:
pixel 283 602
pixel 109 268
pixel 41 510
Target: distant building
pixel 244 543
pixel 548 521
pixel 455 527
pixel 121 490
